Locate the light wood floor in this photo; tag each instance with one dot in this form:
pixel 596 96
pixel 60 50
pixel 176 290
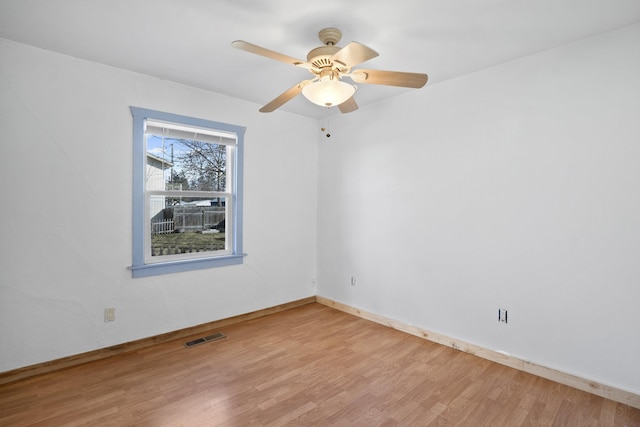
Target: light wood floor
pixel 312 365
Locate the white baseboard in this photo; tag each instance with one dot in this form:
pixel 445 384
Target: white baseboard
pixel 571 380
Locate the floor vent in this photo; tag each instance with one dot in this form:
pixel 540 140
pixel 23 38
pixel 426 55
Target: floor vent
pixel 214 337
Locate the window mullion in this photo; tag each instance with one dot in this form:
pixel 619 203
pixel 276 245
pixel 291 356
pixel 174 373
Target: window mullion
pixel 188 194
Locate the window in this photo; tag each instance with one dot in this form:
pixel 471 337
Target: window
pixel 187 190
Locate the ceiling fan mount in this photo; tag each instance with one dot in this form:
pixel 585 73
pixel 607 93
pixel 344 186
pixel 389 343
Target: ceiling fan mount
pixel 328 64
pixel 330 36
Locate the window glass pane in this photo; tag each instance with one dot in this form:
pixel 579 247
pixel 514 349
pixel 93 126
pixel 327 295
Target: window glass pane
pixel 185 164
pixel 187 225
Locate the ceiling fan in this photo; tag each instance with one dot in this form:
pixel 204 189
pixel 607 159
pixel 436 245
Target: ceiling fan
pixel 328 64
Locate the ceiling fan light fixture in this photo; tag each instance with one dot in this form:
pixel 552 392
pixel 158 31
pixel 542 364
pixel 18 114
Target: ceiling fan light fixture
pixel 328 92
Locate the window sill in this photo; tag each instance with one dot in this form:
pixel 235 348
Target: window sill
pixel 185 265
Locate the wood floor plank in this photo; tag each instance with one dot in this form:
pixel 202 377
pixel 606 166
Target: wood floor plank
pixel 311 365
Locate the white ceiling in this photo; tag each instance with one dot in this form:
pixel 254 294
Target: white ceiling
pixel 188 41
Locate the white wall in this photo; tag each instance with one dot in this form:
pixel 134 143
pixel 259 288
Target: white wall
pixel 515 187
pixel 65 169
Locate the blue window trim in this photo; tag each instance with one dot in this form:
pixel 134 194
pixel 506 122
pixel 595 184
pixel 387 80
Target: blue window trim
pixel 139 268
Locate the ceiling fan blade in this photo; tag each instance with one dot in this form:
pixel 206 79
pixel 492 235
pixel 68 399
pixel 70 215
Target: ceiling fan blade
pixel 353 54
pixel 252 48
pixel 348 106
pixel 285 97
pixel 389 78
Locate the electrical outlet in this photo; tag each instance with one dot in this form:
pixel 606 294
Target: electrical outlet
pixel 502 315
pixel 109 314
pixel 353 280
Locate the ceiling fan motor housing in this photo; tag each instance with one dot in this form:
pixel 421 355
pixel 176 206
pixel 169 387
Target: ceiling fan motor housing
pixel 320 57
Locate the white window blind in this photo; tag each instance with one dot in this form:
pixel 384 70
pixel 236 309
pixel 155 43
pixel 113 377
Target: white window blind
pixel 175 131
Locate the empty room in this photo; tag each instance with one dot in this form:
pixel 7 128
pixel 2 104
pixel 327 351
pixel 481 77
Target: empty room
pixel 352 213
